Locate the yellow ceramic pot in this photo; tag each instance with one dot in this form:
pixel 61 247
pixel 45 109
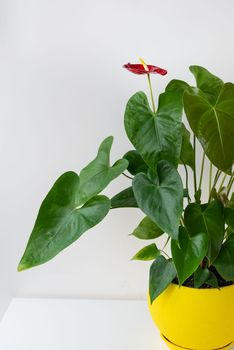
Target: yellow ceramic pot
pixel 197 319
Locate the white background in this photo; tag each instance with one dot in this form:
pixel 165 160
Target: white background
pixel 62 91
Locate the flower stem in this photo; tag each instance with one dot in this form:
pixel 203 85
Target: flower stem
pixel 194 161
pixel 229 186
pixel 186 179
pixel 129 177
pixel 202 170
pixel 151 93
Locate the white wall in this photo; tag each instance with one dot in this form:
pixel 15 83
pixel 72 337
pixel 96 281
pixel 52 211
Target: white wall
pixel 62 91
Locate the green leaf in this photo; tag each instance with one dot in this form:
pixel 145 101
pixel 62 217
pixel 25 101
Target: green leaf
pixel 136 163
pixel 124 199
pixel 147 229
pixel 61 221
pixel 162 273
pixel 98 174
pixel 150 252
pixel 225 261
pixel 155 136
pixel 160 197
pixel 229 213
pixel 201 276
pixel 208 219
pixel 207 82
pixel 187 152
pixel 178 86
pixel 188 253
pixel 213 124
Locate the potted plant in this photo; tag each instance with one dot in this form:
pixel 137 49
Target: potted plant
pixel 191 293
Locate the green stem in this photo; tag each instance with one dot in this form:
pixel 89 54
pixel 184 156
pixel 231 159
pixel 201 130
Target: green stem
pixel 216 178
pixel 194 161
pixel 202 171
pixel 151 93
pixel 229 186
pixel 186 179
pixel 210 179
pixel 222 182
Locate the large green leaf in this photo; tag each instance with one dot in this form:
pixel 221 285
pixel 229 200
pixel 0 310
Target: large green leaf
pixel 207 82
pixel 147 229
pixel 225 261
pixel 188 253
pixel 208 219
pixel 160 195
pixel 136 163
pixel 162 273
pixel 61 220
pixel 98 174
pixel 210 112
pixel 124 199
pixel 155 136
pixel 150 252
pixel 187 152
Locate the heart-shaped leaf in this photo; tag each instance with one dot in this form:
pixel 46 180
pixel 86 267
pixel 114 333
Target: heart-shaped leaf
pixel 188 253
pixel 61 221
pixel 124 199
pixel 210 112
pixel 98 174
pixel 136 163
pixel 207 82
pixel 162 273
pixel 208 219
pixel 150 252
pixel 225 261
pixel 160 197
pixel 147 229
pixel 155 136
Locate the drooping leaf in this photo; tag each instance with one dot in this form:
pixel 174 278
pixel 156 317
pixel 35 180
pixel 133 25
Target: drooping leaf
pixel 147 229
pixel 207 82
pixel 124 199
pixel 135 162
pixel 205 276
pixel 162 273
pixel 160 196
pixel 155 136
pixel 98 174
pixel 188 253
pixel 225 260
pixel 150 252
pixel 187 152
pixel 211 117
pixel 201 276
pixel 210 220
pixel 61 221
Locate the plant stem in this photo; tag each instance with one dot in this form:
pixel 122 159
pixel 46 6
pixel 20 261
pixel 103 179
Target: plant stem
pixel 186 179
pixel 210 179
pixel 194 161
pixel 202 171
pixel 229 186
pixel 129 177
pixel 162 251
pixel 222 182
pixel 151 93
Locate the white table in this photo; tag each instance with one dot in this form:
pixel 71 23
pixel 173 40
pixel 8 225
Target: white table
pixel 70 324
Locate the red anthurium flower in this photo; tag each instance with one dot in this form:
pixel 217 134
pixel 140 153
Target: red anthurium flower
pixel 141 69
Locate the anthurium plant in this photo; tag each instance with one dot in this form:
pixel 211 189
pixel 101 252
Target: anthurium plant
pixel 201 234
